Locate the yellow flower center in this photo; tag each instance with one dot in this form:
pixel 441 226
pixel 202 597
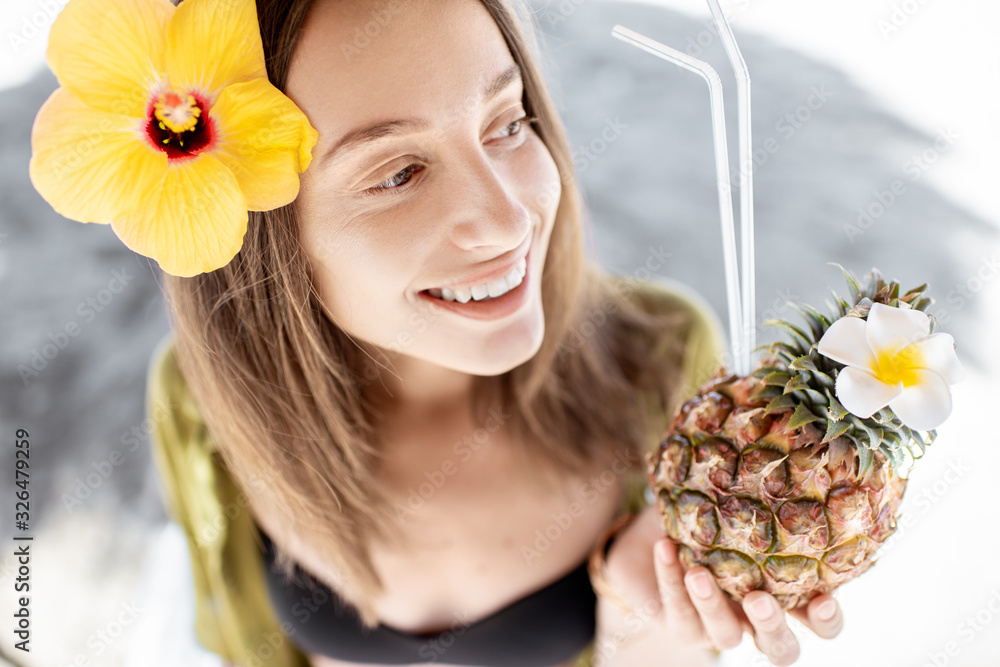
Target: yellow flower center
pixel 180 124
pixel 175 112
pixel 901 366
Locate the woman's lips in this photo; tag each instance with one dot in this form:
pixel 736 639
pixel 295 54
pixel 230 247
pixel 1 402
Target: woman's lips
pixel 496 272
pixel 490 309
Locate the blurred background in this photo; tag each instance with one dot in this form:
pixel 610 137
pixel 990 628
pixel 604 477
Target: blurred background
pixel 854 98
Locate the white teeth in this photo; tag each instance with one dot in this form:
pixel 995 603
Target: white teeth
pixel 492 289
pixel 480 292
pixel 497 287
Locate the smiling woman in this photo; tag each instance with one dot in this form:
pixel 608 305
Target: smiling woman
pixel 448 188
pixel 427 288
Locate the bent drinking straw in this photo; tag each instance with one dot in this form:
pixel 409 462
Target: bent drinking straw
pixel 741 311
pixel 746 177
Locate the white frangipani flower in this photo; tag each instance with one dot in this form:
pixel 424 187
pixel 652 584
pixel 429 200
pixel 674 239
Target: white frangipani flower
pixel 892 359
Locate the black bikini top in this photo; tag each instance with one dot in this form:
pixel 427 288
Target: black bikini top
pixel 544 628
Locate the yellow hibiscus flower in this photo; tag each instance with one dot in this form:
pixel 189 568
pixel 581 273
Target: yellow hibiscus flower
pixel 166 127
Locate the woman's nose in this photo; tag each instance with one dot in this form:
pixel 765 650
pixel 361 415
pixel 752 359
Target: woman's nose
pixel 488 214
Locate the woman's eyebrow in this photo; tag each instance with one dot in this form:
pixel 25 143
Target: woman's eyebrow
pixel 362 136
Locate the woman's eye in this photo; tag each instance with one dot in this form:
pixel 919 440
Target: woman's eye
pixel 517 125
pixel 401 178
pixel 397 180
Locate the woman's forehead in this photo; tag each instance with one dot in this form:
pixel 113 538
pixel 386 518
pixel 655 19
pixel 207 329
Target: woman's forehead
pixel 424 44
pixel 352 61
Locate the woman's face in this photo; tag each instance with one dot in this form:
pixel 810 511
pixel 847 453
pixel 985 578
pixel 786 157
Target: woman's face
pixel 454 191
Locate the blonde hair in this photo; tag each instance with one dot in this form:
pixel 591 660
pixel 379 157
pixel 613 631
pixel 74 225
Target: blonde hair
pixel 281 387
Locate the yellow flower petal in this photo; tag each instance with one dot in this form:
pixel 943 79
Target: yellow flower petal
pixel 110 53
pixel 261 137
pixel 190 223
pixel 900 367
pixel 90 165
pixel 211 44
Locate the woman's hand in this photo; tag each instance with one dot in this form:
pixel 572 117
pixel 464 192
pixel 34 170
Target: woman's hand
pixel 689 613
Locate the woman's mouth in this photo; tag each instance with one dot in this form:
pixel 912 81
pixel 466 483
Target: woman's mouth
pixel 492 300
pixel 484 291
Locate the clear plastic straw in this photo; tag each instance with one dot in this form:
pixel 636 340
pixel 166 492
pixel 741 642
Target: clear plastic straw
pixel 737 324
pixel 746 179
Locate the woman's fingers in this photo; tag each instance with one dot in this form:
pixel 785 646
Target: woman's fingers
pixel 695 607
pixel 772 635
pixel 722 625
pixel 677 608
pixel 822 615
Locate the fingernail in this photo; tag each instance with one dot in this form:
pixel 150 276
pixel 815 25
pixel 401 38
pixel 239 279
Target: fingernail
pixel 664 553
pixel 761 607
pixel 826 611
pixel 701 586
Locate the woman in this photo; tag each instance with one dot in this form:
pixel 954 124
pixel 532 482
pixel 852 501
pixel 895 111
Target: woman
pixel 417 394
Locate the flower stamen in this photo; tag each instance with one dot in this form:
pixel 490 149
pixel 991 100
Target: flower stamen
pixel 175 112
pixel 179 124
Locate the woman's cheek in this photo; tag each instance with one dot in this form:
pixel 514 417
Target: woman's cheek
pixel 539 177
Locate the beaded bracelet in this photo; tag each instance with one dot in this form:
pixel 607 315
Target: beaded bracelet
pixel 597 564
pixel 597 568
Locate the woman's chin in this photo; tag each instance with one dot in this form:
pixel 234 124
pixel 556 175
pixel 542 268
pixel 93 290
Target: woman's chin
pixel 512 350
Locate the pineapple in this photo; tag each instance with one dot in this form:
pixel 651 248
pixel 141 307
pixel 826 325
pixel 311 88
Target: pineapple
pixel 770 483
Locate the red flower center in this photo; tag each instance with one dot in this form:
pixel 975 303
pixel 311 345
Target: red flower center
pixel 179 124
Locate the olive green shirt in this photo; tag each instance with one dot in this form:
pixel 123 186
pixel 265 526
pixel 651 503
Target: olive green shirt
pixel 233 613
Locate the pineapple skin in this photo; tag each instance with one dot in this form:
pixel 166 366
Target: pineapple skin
pixel 765 507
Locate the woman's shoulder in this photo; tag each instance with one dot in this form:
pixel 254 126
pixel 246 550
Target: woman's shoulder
pixel 182 447
pixel 170 403
pixel 695 331
pixel 232 608
pixel 666 295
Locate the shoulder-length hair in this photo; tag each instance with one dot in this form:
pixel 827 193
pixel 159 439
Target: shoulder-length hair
pixel 281 387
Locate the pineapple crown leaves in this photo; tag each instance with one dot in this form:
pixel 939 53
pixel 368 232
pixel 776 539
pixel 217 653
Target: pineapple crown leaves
pixel 796 376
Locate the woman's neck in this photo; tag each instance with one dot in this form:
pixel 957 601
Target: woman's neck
pixel 415 384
